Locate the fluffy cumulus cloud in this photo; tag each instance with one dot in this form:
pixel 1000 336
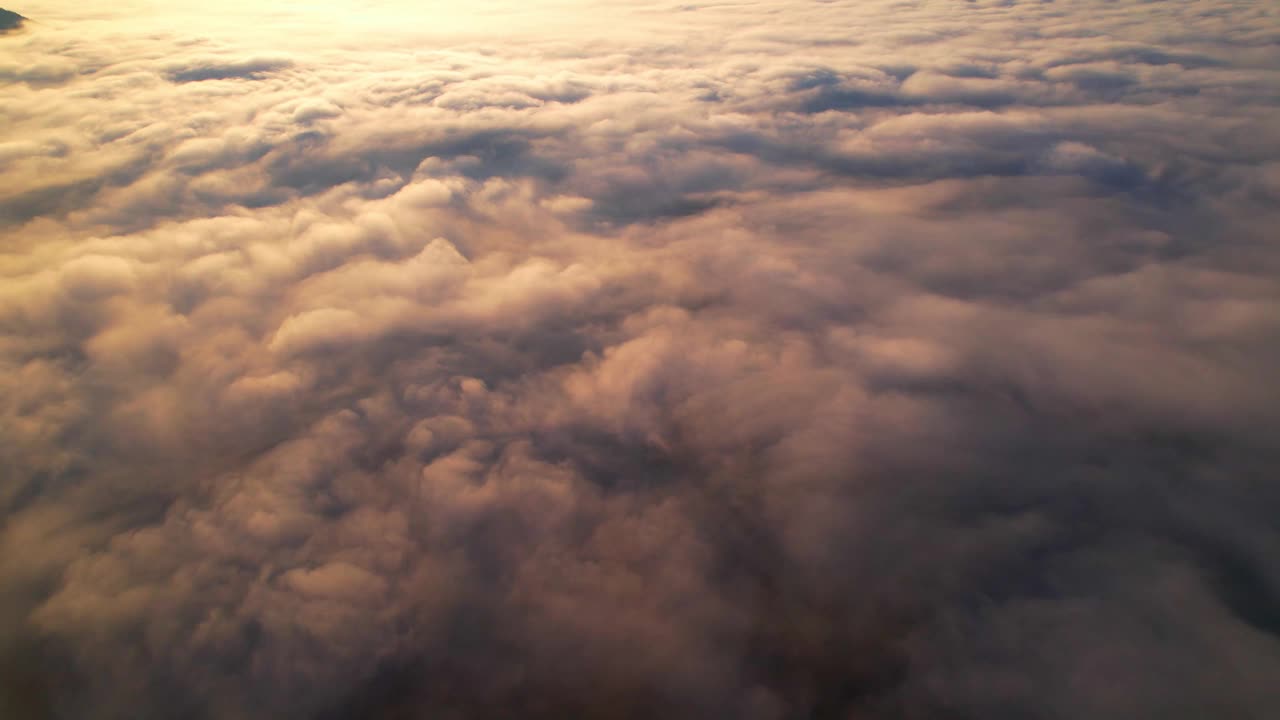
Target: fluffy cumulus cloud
pixel 769 360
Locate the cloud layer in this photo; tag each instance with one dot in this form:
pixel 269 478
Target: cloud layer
pixel 619 360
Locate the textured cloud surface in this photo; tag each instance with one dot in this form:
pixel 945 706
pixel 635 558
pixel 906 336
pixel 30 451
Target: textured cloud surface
pixel 762 360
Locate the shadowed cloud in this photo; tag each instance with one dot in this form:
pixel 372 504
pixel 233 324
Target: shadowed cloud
pixel 214 69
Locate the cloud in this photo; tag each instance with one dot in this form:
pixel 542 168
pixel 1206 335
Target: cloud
pixel 764 360
pixel 202 69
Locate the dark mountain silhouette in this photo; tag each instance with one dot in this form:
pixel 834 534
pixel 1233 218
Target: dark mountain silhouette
pixel 10 20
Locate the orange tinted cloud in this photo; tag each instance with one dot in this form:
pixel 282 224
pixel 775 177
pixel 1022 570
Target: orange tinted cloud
pixel 766 359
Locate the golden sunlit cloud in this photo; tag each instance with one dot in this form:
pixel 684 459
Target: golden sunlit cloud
pixel 767 360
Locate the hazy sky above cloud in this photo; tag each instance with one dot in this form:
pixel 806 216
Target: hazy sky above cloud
pixel 772 360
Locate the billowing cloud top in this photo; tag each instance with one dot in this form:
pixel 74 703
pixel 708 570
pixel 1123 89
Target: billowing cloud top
pixel 770 359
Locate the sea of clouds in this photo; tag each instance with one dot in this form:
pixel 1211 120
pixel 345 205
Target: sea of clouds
pixel 771 359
